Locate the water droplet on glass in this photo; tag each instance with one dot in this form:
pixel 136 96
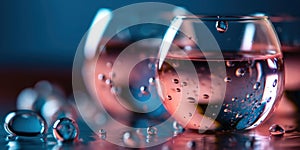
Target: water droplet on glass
pixel 276 130
pixel 151 130
pixel 151 80
pixel 108 82
pixel 102 133
pixel 222 26
pixel 177 126
pixel 176 81
pixel 151 66
pixel 234 99
pixel 143 89
pixel 256 86
pixel 184 84
pixel 226 110
pixel 130 139
pixel 115 90
pixel 269 99
pixel 191 99
pixel 169 97
pixel 205 96
pixel 25 123
pixel 109 64
pixel 240 72
pixel 190 114
pixel 249 96
pixel 191 144
pixel 65 130
pixel 101 76
pixel 111 74
pixel 275 83
pixel 178 90
pixel 188 47
pixel 227 79
pixel 230 64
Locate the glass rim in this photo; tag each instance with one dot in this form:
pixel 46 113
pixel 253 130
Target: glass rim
pixel 222 18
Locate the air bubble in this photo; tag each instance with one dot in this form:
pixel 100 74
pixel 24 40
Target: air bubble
pixel 151 130
pixel 102 133
pixel 176 81
pixel 25 123
pixel 227 79
pixel 221 26
pixel 191 144
pixel 256 86
pixel 240 72
pixel 276 130
pixel 191 99
pixel 205 96
pixel 275 83
pixel 101 76
pixel 65 130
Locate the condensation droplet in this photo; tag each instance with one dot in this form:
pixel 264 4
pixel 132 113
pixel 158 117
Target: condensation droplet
pixel 275 83
pixel 230 64
pixel 176 81
pixel 102 133
pixel 178 89
pixel 256 86
pixel 191 144
pixel 101 76
pixel 191 99
pixel 205 96
pixel 221 26
pixel 65 130
pixel 169 97
pixel 25 123
pixel 269 99
pixel 276 130
pixel 227 79
pixel 151 80
pixel 151 130
pixel 240 72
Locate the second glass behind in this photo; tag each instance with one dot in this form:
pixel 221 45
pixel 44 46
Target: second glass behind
pixel 220 73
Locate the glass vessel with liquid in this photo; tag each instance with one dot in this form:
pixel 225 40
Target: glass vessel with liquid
pixel 220 73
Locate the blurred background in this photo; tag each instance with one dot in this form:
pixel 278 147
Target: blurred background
pixel 39 37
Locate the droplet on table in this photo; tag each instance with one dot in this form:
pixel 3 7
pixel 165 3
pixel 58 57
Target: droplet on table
pixel 276 130
pixel 25 123
pixel 65 130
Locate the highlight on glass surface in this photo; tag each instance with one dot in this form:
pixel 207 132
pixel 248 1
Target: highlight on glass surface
pixel 220 73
